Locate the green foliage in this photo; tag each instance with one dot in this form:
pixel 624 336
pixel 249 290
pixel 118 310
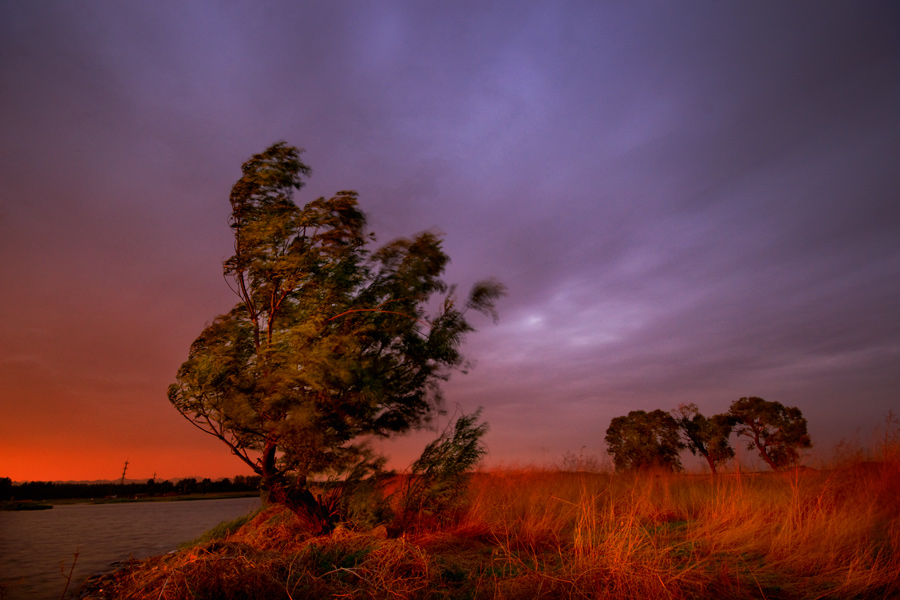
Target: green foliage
pixel 365 504
pixel 220 531
pixel 778 432
pixel 358 497
pixel 707 437
pixel 438 478
pixel 644 440
pixel 330 342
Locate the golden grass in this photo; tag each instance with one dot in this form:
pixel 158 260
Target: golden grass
pixel 542 534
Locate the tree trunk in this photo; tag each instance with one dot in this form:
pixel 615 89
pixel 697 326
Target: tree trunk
pixel 302 503
pixel 712 464
pixel 296 497
pixel 765 455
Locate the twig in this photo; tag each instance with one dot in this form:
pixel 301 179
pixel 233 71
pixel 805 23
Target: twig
pixel 69 576
pixel 346 569
pixel 165 583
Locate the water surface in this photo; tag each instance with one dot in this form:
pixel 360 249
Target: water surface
pixel 36 546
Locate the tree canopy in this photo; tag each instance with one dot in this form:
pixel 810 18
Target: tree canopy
pixel 329 342
pixel 707 437
pixel 655 439
pixel 778 432
pixel 644 440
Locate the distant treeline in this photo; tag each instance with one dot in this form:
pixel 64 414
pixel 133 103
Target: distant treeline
pixel 50 490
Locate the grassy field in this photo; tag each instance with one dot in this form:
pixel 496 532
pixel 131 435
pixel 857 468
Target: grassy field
pixel 535 533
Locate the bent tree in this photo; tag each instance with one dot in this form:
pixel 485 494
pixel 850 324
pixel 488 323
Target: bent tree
pixel 778 432
pixel 706 436
pixel 330 343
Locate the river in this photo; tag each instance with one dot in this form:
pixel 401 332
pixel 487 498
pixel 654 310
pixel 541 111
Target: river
pixel 37 546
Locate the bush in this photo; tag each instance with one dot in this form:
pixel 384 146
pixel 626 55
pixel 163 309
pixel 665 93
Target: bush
pixel 438 479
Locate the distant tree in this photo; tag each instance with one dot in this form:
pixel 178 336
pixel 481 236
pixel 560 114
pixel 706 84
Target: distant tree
pixel 5 488
pixel 163 487
pixel 644 440
pixel 707 437
pixel 778 432
pixel 187 485
pixel 329 344
pixel 245 483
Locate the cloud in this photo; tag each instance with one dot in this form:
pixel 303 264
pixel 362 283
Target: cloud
pixel 685 202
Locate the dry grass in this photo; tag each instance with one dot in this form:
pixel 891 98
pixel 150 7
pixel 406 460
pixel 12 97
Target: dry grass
pixel 539 534
pixel 805 534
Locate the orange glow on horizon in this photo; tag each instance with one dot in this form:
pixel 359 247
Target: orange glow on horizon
pixel 194 455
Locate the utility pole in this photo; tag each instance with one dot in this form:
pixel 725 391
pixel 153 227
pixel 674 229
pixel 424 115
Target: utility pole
pixel 123 471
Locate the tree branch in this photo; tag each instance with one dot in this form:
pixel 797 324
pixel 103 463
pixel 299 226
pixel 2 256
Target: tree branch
pixel 390 312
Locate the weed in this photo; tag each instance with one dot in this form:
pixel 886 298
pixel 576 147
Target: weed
pixel 220 531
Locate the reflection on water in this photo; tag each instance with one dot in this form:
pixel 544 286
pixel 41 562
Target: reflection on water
pixel 35 546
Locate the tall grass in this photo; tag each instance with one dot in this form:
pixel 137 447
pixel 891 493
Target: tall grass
pixel 806 534
pixel 803 534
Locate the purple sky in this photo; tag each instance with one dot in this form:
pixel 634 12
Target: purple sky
pixel 688 202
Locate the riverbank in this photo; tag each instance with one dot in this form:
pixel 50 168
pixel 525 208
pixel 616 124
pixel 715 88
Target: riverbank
pixel 530 534
pixel 161 498
pixel 16 505
pixel 24 505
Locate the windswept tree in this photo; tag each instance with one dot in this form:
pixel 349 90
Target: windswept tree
pixel 644 440
pixel 707 437
pixel 329 343
pixel 778 432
